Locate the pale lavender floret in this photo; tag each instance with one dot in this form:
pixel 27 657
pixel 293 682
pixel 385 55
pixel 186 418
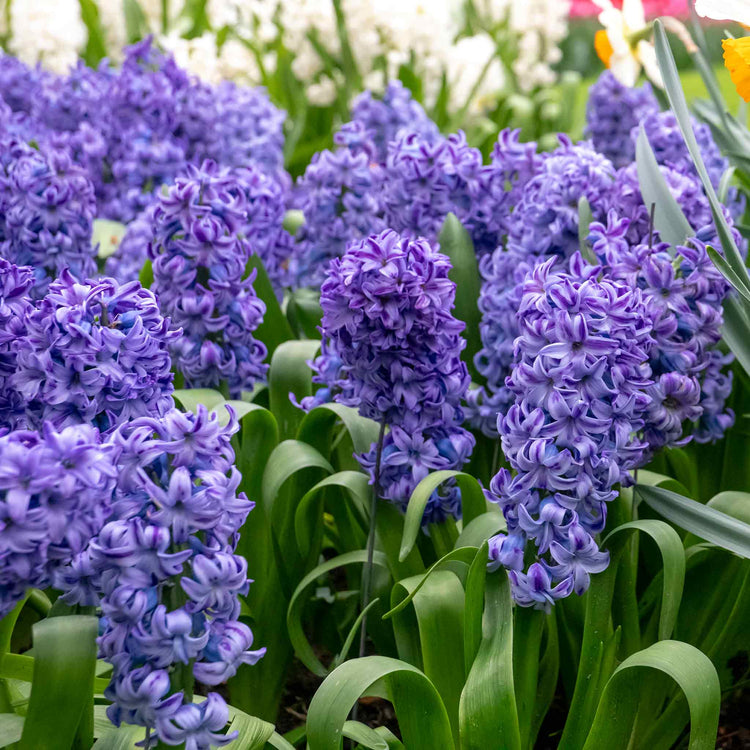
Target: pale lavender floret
pixel 199 253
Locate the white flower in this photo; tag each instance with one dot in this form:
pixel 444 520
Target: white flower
pixel 725 10
pixel 466 70
pixel 53 36
pixel 624 46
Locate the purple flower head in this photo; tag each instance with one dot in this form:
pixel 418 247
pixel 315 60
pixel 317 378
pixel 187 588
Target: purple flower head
pixel 580 379
pixel 95 352
pixel 199 252
pixel 198 726
pixel 612 111
pixel 55 494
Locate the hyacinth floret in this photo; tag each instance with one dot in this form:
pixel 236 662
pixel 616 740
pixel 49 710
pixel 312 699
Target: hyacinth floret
pixel 55 494
pixel 392 351
pixel 169 579
pixel 612 111
pixel 200 253
pixel 94 352
pixel 579 379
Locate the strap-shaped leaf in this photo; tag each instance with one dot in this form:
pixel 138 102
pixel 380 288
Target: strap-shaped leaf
pixel 480 529
pixel 422 717
pixel 736 331
pixel 317 427
pixel 702 520
pixel 63 681
pixel 473 503
pixel 191 398
pixel 687 666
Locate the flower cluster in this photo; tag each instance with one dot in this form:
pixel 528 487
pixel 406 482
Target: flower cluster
pixel 47 209
pixel 94 352
pixel 54 496
pixel 200 252
pixel 683 292
pixel 392 350
pixel 543 224
pixel 612 111
pixel 15 306
pixel 169 579
pixel 578 379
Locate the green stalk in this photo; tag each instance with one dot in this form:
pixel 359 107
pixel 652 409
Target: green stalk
pixel 528 627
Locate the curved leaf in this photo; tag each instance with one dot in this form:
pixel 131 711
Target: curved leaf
pixel 290 373
pixel 191 398
pixel 481 528
pixel 364 735
pixel 422 717
pixel 473 503
pixel 687 666
pixel 302 646
pixel 63 681
pixel 673 558
pixel 317 426
pixel 702 520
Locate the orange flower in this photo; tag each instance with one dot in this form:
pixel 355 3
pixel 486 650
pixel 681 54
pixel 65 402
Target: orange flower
pixel 603 46
pixel 737 60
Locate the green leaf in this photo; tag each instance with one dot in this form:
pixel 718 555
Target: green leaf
pixel 488 708
pixel 585 217
pixel 687 666
pixel 736 330
pixel 302 647
pixel 146 276
pixel 669 220
pixel 673 559
pixel 274 329
pixel 364 735
pixel 472 503
pixel 191 398
pixel 317 427
pixel 304 312
pixel 62 687
pixel 277 741
pixel 290 373
pixel 456 243
pixel 253 733
pixel 702 520
pixel 116 738
pixel 136 25
pixel 481 528
pixel 107 234
pixel 421 714
pixel 729 273
pixel 11 728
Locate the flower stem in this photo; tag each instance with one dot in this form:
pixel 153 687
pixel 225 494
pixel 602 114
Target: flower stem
pixel 367 572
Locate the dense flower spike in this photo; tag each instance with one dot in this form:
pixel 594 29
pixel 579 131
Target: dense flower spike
pixel 199 253
pixel 47 209
pixel 612 111
pixel 15 306
pixel 55 494
pixel 683 292
pixel 392 350
pixel 543 223
pixel 579 376
pixel 170 580
pixel 95 352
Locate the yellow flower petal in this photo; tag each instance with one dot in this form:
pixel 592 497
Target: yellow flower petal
pixel 737 61
pixel 603 46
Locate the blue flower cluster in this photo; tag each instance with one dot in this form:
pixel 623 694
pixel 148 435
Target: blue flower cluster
pixel 683 292
pixel 392 350
pixel 47 208
pixel 199 254
pixel 135 128
pixel 165 566
pixel 612 111
pixel 94 353
pixel 54 496
pixel 542 222
pixel 571 434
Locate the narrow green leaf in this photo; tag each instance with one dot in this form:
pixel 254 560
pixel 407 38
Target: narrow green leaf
pixel 702 520
pixel 364 735
pixel 317 427
pixel 481 528
pixel 146 276
pixel 488 708
pixel 421 715
pixel 353 633
pixel 472 503
pixel 726 183
pixel 736 330
pixel 274 329
pixel 191 398
pixel 669 220
pixel 290 373
pixel 62 687
pixel 474 606
pixel 253 733
pixel 456 243
pixel 585 217
pixel 687 666
pixel 136 26
pixel 304 312
pixel 729 274
pixel 302 647
pixel 277 741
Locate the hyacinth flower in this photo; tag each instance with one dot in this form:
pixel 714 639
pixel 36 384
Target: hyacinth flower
pixel 543 224
pixel 47 208
pixel 612 111
pixel 164 570
pixel 200 252
pixel 392 350
pixel 55 495
pixel 580 380
pixel 94 352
